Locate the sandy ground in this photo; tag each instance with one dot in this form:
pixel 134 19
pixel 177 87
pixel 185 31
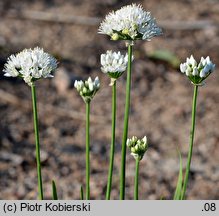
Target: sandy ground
pixel 160 106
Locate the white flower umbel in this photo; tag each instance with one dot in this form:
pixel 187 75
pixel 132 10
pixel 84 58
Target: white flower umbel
pixel 138 147
pixel 113 64
pixel 31 65
pixel 197 72
pixel 131 22
pixel 87 89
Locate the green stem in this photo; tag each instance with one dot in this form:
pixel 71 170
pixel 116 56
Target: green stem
pixel 36 129
pixel 126 121
pixel 112 148
pixel 87 150
pixel 136 179
pixel 191 141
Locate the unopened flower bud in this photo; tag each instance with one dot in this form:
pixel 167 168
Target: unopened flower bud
pixel 125 31
pixel 115 36
pixel 88 88
pixel 138 147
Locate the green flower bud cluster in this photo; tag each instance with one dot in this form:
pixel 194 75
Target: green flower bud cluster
pixel 138 147
pixel 87 89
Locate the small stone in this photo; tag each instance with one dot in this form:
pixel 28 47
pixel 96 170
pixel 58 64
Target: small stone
pixel 12 158
pixel 62 80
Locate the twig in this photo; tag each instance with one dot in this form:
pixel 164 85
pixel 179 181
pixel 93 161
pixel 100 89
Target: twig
pixel 94 21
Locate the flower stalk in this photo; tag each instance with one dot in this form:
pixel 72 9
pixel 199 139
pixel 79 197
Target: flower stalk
pixel 36 129
pixel 196 72
pixel 88 150
pixel 126 121
pixel 192 133
pixel 136 178
pixel 112 147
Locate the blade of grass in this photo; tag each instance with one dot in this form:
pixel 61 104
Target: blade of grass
pixel 82 193
pixel 166 56
pixel 54 191
pixel 178 191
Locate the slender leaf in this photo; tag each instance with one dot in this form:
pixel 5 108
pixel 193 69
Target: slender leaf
pixel 54 191
pixel 166 56
pixel 162 198
pixel 178 191
pixel 82 193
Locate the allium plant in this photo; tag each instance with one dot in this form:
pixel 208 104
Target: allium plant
pixel 197 73
pixel 138 147
pixel 113 64
pixel 32 65
pixel 87 89
pixel 129 23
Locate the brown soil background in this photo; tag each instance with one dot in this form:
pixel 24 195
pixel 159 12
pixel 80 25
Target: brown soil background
pixel 160 106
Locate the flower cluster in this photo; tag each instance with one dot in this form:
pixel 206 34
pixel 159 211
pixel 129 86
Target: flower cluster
pixel 138 147
pixel 130 22
pixel 197 72
pixel 30 65
pixel 113 63
pixel 87 89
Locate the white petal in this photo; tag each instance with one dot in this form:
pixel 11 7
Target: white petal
pixel 144 139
